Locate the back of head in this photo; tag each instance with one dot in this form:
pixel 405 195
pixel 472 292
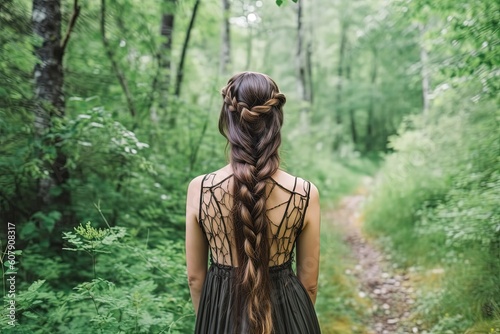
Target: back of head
pixel 251 120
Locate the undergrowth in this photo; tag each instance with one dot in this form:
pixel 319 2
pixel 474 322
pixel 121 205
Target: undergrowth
pixel 436 200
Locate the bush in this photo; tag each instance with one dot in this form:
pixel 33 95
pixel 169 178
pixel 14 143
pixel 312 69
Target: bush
pixel 132 288
pixel 437 198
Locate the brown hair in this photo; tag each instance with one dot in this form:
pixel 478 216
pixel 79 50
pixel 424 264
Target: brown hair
pixel 251 119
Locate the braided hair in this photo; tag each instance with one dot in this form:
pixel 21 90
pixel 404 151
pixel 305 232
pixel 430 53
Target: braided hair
pixel 251 120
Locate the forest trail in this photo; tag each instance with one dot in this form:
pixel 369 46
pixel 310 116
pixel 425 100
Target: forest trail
pixel 388 288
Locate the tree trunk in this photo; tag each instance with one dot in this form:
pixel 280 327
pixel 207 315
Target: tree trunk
pixel 163 76
pixel 225 55
pixel 340 68
pixel 165 54
pixel 338 100
pixel 303 61
pixel 180 69
pixel 352 118
pixel 53 192
pixel 309 71
pixel 370 126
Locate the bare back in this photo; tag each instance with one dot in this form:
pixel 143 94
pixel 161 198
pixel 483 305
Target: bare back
pixel 287 199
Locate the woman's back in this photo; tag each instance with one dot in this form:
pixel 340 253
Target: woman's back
pixel 287 199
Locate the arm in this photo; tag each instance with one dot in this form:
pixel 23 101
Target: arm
pixel 196 244
pixel 308 245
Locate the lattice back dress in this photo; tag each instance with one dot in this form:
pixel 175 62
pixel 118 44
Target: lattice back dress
pixel 293 311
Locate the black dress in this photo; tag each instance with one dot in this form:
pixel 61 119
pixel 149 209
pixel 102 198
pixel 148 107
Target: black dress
pixel 292 309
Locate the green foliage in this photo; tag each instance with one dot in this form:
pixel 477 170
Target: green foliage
pixel 441 190
pixel 18 169
pixel 127 274
pixel 438 194
pixel 136 289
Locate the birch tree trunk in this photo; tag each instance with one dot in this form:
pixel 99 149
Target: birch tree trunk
pixel 53 192
pixel 49 77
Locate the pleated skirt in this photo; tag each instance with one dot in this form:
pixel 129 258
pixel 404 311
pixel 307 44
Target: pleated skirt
pixel 292 309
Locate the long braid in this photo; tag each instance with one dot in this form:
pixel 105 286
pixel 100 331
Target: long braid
pixel 251 120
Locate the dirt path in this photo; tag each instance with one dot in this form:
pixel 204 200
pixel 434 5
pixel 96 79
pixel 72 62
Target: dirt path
pixel 388 288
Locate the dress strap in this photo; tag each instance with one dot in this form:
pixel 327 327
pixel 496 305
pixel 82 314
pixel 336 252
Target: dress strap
pixel 308 194
pixel 294 184
pixel 201 200
pixel 307 188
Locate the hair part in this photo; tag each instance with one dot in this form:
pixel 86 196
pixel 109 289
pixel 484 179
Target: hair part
pixel 251 119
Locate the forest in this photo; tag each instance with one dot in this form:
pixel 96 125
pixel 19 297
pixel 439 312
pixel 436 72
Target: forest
pixel 108 108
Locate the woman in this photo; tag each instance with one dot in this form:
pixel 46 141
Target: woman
pixel 250 215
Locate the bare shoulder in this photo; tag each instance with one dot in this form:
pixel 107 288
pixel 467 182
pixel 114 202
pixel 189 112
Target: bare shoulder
pixel 313 213
pixel 301 185
pixel 210 178
pixel 196 182
pixel 314 192
pixel 193 194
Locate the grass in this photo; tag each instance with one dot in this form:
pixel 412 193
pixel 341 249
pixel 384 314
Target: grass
pixel 340 309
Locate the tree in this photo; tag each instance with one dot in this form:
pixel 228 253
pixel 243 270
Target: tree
pixel 165 52
pixel 340 84
pixel 225 55
pixel 53 192
pixel 303 60
pixel 180 68
pixel 352 116
pixel 370 124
